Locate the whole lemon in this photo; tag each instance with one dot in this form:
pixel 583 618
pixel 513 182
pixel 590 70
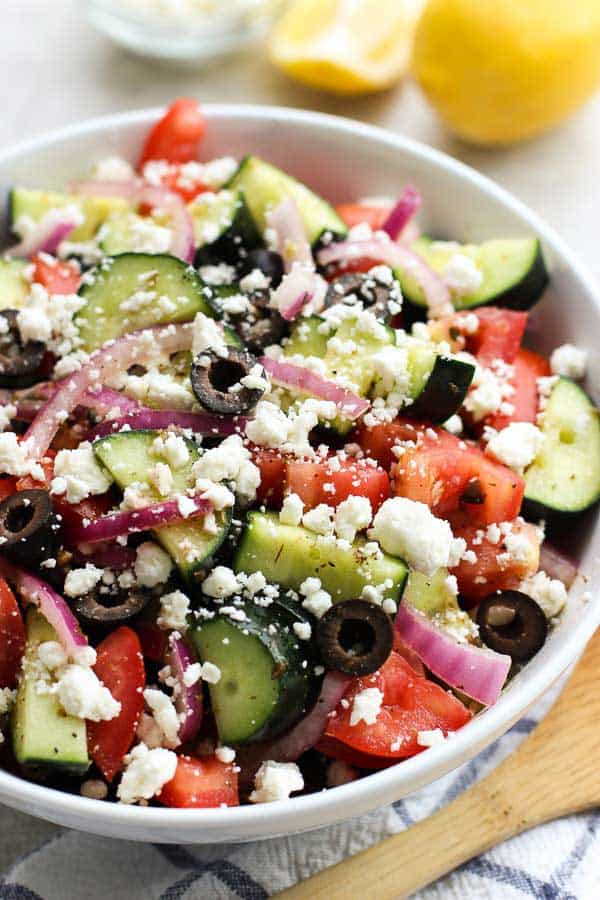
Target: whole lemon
pixel 499 71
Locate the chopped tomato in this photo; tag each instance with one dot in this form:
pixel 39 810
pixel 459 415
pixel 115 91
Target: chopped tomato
pixel 201 784
pixel 496 568
pixel 362 264
pixel 120 667
pixel 27 482
pixel 12 636
pixel 528 367
pixel 499 334
pixel 360 213
pixel 411 703
pixel 58 277
pixel 379 441
pixel 176 137
pixel 332 481
pixel 456 479
pixel 272 466
pixel 7 487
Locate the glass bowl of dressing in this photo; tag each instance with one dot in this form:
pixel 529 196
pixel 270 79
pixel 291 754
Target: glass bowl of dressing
pixel 190 31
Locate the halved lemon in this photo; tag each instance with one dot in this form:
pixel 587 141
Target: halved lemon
pixel 346 46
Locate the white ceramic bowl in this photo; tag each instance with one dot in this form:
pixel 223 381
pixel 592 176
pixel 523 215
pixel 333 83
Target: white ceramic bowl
pixel 343 160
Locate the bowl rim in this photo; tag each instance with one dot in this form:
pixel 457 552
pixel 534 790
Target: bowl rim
pixel 386 785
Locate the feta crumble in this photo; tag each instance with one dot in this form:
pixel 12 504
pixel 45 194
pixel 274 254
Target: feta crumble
pixel 276 781
pixel 152 565
pixel 569 361
pixel 366 706
pixel 81 581
pixel 78 474
pixel 408 529
pixel 174 610
pixel 146 772
pixel 517 445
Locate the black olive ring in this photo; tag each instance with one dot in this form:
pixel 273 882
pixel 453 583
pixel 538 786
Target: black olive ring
pixel 29 528
pixel 213 375
pixel 513 623
pixel 354 637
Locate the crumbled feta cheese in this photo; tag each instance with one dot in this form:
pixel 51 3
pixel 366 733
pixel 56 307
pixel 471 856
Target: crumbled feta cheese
pixel 192 674
pixel 52 655
pixel 276 781
pixel 302 630
pixel 488 393
pixel 269 427
pixel 317 601
pixel 222 582
pixel 217 275
pixel 569 361
pixel 319 520
pixel 256 280
pixel 409 529
pixel 517 445
pixel 83 695
pixel 230 461
pixel 207 335
pixel 113 168
pixel 152 565
pixel 174 609
pixel 462 275
pixel 164 714
pixel 291 511
pixel 173 448
pixel 161 477
pixel 7 412
pixel 14 458
pixel 210 673
pixel 366 706
pixel 160 388
pixel 549 593
pixel 7 698
pixel 431 737
pixel 225 755
pixel 146 772
pixel 352 515
pixel 454 424
pixel 78 474
pixel 81 581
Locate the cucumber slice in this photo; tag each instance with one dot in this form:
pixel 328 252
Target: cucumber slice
pixel 126 232
pixel 287 555
pixel 95 210
pixel 443 390
pixel 128 457
pixel 14 287
pixel 266 680
pixel 177 288
pixel 514 271
pixel 430 594
pixel 43 735
pixel 565 477
pixel 222 226
pixel 264 186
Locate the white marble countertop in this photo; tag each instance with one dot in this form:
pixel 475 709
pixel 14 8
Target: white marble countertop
pixel 56 70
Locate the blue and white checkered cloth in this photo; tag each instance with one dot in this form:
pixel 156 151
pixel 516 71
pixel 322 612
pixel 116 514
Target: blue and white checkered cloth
pixel 557 861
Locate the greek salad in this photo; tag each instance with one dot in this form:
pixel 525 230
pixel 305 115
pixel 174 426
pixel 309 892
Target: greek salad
pixel 274 479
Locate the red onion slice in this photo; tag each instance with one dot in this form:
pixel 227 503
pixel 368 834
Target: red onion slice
pixel 51 605
pixel 110 556
pixel 205 424
pixel 301 285
pixel 557 565
pixel 157 515
pixel 304 735
pixel 401 214
pixel 128 189
pixel 478 672
pixel 397 256
pixel 104 401
pixel 187 699
pixel 48 234
pixel 292 244
pixel 112 359
pixel 298 378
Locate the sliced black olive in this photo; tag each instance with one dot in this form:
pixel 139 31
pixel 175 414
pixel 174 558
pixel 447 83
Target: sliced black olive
pixel 102 610
pixel 213 377
pixel 269 263
pixel 19 362
pixel 354 637
pixel 29 528
pixel 369 290
pixel 511 622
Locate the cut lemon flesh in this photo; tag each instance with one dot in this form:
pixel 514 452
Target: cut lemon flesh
pixel 346 46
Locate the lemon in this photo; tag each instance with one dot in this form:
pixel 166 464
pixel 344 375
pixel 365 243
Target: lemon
pixel 345 46
pixel 498 71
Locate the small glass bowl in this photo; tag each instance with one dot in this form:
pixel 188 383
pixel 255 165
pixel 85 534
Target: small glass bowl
pixel 193 38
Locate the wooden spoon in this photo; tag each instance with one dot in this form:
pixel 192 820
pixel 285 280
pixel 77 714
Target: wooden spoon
pixel 554 772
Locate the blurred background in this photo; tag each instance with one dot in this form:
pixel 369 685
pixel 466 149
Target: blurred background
pixel 495 72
